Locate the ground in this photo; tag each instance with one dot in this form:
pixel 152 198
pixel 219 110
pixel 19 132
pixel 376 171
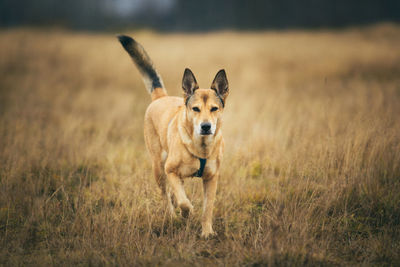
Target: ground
pixel 311 173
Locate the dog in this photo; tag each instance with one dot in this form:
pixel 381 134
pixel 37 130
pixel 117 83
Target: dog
pixel 183 135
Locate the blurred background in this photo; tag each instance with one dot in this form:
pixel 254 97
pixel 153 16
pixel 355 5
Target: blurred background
pixel 190 15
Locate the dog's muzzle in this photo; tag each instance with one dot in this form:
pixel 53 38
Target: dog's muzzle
pixel 205 128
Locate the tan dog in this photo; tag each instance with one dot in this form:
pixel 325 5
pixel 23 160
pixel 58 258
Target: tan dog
pixel 183 135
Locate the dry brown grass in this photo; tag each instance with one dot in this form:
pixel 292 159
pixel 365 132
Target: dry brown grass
pixel 311 174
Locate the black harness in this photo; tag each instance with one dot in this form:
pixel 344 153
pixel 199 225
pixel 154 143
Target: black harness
pixel 199 172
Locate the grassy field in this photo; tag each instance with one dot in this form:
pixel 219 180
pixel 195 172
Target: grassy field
pixel 311 173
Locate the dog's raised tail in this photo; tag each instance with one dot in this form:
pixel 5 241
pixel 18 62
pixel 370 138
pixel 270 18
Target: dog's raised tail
pixel 152 80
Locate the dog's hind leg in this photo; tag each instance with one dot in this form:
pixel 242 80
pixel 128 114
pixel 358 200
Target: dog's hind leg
pixel 158 159
pixel 160 176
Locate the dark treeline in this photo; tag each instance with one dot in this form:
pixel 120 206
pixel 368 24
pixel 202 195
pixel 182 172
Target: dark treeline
pixel 192 15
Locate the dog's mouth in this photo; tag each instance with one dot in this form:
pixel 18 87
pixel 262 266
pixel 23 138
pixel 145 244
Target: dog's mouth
pixel 205 132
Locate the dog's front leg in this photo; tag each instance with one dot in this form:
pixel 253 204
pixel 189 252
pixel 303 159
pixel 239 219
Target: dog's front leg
pixel 210 189
pixel 177 188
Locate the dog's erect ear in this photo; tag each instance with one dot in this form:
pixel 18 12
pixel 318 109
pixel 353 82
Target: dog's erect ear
pixel 189 83
pixel 220 85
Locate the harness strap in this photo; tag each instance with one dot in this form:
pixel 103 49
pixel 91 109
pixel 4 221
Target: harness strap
pixel 200 171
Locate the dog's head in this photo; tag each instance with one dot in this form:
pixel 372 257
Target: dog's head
pixel 204 107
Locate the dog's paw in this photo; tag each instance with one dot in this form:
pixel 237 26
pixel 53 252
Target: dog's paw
pixel 207 231
pixel 186 209
pixel 206 234
pixel 172 214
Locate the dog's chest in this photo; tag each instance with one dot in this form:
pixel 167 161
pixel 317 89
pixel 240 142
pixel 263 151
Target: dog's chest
pixel 188 169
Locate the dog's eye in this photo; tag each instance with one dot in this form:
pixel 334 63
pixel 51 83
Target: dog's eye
pixel 214 109
pixel 196 109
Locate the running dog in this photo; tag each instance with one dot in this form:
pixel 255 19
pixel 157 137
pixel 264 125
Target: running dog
pixel 183 135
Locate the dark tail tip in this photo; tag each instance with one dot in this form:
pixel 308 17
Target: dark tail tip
pixel 126 41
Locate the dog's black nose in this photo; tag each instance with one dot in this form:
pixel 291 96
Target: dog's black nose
pixel 205 127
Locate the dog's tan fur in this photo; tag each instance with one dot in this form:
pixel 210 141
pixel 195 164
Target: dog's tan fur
pixel 175 138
